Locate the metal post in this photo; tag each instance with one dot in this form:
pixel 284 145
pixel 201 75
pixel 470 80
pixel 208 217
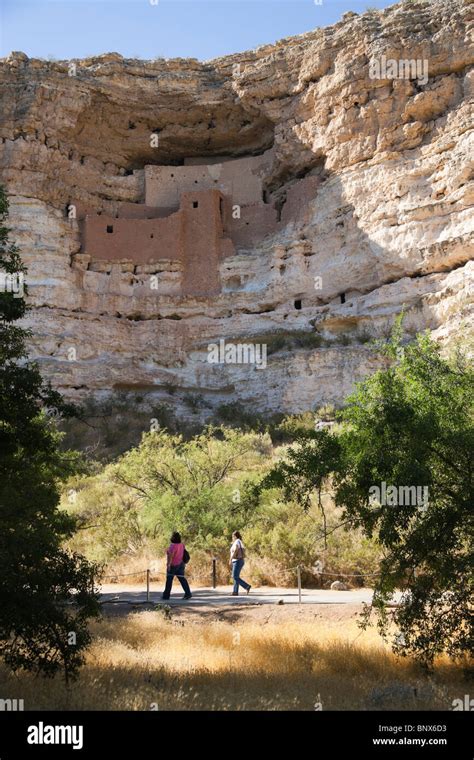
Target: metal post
pixel 214 572
pixel 298 570
pixel 148 585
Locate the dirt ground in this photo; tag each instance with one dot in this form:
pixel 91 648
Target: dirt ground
pixel 262 614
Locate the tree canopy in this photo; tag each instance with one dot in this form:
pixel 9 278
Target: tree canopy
pixel 401 469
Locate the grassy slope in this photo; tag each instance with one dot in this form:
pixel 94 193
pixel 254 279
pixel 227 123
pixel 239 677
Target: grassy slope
pixel 268 658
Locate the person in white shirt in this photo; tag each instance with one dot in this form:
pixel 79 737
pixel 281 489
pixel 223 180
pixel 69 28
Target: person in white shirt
pixel 237 561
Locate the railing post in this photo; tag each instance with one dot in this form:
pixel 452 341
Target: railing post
pixel 148 585
pixel 298 570
pixel 214 572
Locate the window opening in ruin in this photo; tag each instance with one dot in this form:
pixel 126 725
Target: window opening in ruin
pixel 110 228
pixel 298 303
pixel 195 204
pixel 343 298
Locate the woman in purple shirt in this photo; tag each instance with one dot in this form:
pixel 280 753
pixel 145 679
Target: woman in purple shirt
pixel 175 567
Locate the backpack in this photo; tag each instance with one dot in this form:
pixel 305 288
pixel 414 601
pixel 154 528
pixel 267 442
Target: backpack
pixel 186 556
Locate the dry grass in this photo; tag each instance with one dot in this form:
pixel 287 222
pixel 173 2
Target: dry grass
pixel 258 570
pixel 133 569
pixel 190 662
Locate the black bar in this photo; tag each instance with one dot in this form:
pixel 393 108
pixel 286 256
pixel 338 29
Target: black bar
pixel 446 734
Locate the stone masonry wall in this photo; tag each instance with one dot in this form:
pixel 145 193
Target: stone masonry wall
pixel 240 180
pixel 193 235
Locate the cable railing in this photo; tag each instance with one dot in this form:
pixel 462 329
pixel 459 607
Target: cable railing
pixel 150 574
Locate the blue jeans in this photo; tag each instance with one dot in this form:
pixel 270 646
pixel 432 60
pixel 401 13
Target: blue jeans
pixel 237 565
pixel 176 570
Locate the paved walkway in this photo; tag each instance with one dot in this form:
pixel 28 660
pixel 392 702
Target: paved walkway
pixel 117 593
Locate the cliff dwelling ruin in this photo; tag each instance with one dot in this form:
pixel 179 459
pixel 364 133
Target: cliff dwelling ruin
pixel 194 216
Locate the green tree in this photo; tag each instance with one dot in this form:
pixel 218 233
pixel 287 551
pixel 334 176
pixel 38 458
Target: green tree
pixel 39 629
pixel 311 465
pixel 408 426
pixel 191 485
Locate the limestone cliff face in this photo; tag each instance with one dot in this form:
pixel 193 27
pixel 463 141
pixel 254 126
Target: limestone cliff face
pixel 389 225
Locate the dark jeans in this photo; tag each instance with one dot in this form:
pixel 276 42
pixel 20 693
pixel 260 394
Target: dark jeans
pixel 237 565
pixel 176 570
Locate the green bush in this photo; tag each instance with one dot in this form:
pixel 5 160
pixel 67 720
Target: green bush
pixel 291 340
